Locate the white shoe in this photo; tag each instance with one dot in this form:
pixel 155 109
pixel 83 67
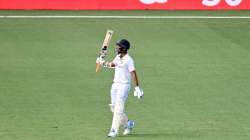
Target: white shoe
pixel 112 133
pixel 129 127
pixel 126 131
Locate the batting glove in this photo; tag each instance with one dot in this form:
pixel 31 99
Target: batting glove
pixel 138 92
pixel 100 60
pixel 102 55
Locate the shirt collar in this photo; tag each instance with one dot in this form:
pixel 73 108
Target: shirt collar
pixel 124 57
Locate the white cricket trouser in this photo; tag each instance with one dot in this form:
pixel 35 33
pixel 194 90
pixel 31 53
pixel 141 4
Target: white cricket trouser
pixel 119 92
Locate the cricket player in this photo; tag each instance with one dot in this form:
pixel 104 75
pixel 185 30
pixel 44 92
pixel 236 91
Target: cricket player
pixel 124 73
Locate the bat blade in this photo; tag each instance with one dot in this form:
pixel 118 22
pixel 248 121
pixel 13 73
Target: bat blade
pixel 104 47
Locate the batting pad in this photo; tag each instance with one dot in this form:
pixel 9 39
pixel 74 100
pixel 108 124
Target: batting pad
pixel 112 107
pixel 118 115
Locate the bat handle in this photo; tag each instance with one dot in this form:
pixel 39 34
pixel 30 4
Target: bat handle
pixel 105 48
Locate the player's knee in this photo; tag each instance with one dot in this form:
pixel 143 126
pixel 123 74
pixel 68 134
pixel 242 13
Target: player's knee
pixel 119 107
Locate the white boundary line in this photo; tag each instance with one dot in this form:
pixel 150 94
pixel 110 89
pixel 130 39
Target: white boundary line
pixel 126 17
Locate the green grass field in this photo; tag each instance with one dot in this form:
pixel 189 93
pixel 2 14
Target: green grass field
pixel 195 74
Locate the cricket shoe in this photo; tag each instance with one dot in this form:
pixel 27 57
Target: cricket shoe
pixel 129 127
pixel 112 133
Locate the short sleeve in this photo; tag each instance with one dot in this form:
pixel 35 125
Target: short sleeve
pixel 115 60
pixel 131 66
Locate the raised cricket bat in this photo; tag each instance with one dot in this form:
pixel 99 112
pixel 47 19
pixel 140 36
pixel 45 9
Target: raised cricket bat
pixel 104 48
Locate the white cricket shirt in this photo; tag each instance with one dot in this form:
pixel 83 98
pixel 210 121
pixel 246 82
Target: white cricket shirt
pixel 123 67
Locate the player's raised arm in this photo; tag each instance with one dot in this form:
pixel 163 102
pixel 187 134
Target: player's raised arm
pixel 104 63
pixel 104 49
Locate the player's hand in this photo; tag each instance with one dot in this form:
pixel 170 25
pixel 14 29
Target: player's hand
pixel 99 60
pixel 138 92
pixel 102 55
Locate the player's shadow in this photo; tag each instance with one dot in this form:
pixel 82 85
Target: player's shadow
pixel 167 135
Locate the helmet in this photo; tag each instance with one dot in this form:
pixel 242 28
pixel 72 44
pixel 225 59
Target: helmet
pixel 123 44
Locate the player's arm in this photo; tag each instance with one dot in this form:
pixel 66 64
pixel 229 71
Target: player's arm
pixel 138 91
pixel 105 63
pixel 108 64
pixel 135 78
